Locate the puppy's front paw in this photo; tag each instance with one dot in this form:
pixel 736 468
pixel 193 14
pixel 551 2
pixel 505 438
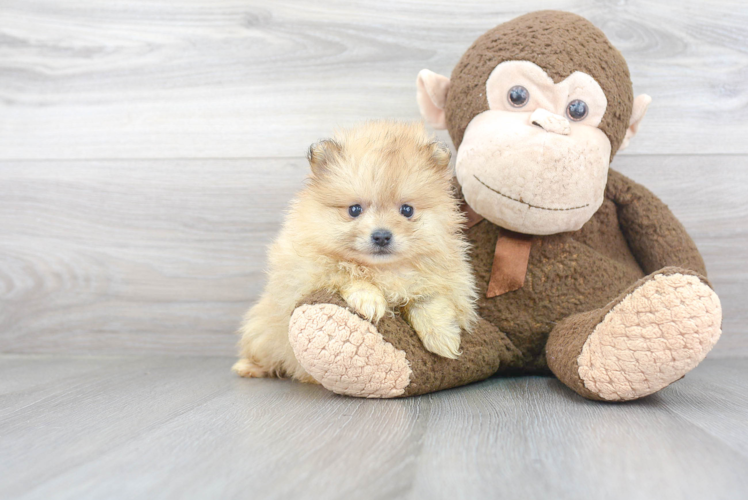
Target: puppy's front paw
pixel 436 324
pixel 367 300
pixel 445 342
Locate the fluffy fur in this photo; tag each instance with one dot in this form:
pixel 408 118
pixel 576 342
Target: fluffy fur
pixel 422 274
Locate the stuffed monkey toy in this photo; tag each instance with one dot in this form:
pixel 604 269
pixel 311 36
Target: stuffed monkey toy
pixel 582 272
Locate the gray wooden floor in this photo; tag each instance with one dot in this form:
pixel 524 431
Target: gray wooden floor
pixel 147 151
pixel 183 427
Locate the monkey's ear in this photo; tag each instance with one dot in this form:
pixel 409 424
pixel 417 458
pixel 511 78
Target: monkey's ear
pixel 321 154
pixel 641 103
pixel 432 97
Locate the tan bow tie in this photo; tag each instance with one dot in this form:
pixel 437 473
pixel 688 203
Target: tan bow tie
pixel 510 257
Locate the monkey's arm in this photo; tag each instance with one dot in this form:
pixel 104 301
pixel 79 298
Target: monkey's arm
pixel 350 355
pixel 656 238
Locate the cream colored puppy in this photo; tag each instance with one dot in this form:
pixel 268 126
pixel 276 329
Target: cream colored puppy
pixel 378 223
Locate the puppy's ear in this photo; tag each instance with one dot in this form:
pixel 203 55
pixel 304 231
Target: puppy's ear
pixel 440 155
pixel 321 154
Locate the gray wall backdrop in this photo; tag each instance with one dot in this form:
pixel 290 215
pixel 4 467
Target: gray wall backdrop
pixel 148 149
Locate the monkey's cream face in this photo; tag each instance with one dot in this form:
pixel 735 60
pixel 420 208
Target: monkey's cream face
pixel 535 162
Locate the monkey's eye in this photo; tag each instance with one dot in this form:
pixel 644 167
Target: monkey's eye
pixel 407 211
pixel 518 96
pixel 355 210
pixel 577 110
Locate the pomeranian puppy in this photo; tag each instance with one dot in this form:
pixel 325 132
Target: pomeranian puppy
pixel 379 224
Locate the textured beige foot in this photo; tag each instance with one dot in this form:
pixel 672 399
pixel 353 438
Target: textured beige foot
pixel 245 368
pixel 346 354
pixel 651 338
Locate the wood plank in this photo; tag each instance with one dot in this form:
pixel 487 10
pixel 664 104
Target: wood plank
pixel 173 429
pixel 50 429
pixel 24 381
pixel 716 400
pixel 95 254
pixel 541 439
pixel 227 78
pixel 123 257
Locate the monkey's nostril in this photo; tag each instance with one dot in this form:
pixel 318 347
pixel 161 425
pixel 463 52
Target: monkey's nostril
pixel 537 124
pixel 381 237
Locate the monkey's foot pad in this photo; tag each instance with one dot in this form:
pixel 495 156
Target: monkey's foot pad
pixel 346 354
pixel 650 339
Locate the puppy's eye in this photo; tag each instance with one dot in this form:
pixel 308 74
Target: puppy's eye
pixel 406 211
pixel 576 110
pixel 355 210
pixel 518 96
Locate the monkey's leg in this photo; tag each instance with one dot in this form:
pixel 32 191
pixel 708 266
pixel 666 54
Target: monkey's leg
pixel 644 340
pixel 349 355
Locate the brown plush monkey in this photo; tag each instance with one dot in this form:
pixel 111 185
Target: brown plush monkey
pixel 582 272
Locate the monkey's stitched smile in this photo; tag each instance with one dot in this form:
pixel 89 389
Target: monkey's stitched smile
pixel 529 204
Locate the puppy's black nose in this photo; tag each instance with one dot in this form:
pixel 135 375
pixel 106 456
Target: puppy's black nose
pixel 381 237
